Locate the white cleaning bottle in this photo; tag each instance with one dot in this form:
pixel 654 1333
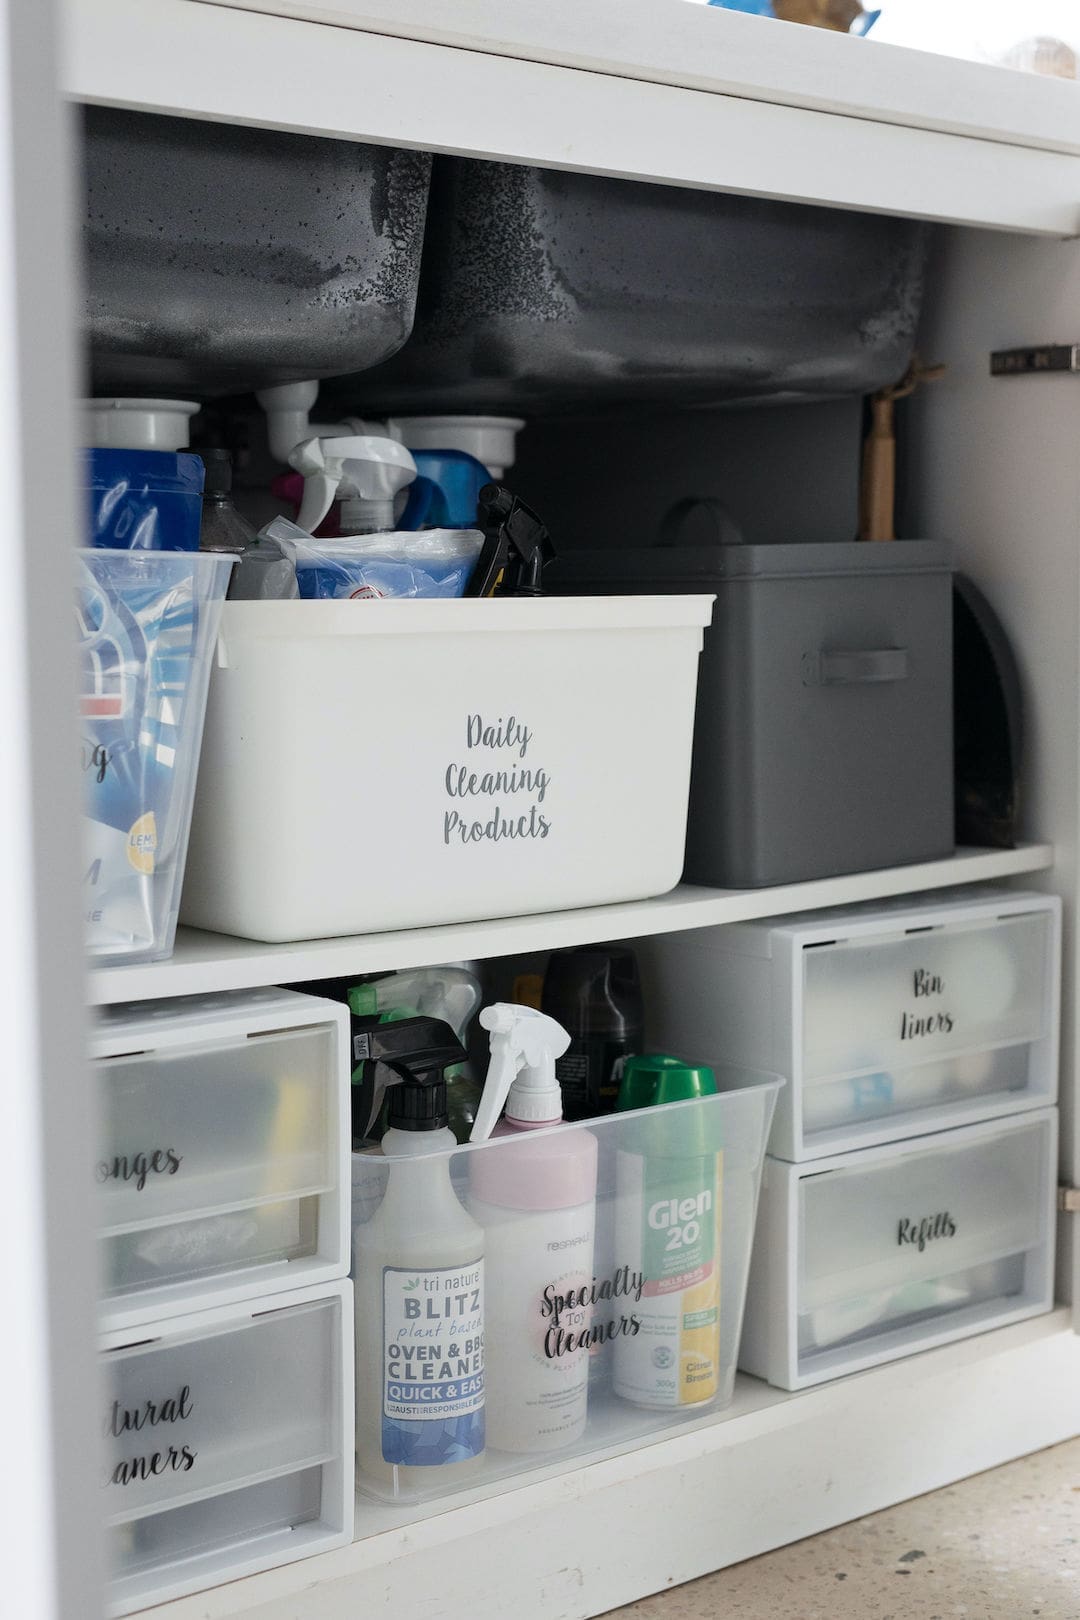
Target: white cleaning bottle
pixel 419 1284
pixel 363 471
pixel 536 1200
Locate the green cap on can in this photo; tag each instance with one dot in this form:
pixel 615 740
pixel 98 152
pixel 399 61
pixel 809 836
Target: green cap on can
pixel 657 1078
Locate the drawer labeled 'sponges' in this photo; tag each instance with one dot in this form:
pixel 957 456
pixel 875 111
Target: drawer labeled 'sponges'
pixel 221 1161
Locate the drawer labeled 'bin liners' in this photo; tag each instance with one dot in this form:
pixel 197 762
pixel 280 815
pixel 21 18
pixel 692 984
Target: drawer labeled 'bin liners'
pixel 888 1020
pixel 437 762
pixel 228 1444
pixel 872 1255
pixel 221 1162
pixel 603 1325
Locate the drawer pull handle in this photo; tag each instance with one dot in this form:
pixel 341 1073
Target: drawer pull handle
pixel 855 668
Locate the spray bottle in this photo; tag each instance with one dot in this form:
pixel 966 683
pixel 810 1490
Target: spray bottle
pixel 668 1185
pixel 536 1200
pixel 362 471
pixel 419 1273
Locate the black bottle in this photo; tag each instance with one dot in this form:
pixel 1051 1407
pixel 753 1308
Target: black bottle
pixel 595 994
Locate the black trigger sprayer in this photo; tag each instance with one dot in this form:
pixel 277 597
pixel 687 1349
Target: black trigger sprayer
pixel 516 546
pixel 409 1056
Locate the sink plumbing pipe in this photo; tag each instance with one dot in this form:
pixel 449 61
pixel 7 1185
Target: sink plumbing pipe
pixel 288 407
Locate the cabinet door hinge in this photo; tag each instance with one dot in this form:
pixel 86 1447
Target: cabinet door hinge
pixel 1035 362
pixel 1069 1200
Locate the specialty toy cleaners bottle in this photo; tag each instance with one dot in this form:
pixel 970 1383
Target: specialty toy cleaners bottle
pixel 668 1186
pixel 419 1270
pixel 536 1200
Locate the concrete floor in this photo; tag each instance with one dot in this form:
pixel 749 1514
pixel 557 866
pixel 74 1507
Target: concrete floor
pixel 1002 1546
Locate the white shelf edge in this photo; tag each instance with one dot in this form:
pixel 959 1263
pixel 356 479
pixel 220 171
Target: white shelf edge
pixel 179 58
pixel 726 53
pixel 772 1468
pixel 203 963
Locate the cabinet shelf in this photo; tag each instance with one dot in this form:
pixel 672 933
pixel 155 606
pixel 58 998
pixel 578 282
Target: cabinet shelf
pixel 588 1538
pixel 203 963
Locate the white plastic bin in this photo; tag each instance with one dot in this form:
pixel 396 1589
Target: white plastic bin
pixel 652 1271
pixel 888 1020
pixel 146 621
pixel 222 1162
pixel 872 1255
pixel 227 1443
pixel 392 764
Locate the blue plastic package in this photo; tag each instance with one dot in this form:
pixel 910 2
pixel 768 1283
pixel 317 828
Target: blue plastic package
pixel 429 563
pixel 147 623
pixel 144 500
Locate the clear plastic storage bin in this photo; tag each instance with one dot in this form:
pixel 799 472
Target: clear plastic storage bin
pixel 868 1256
pixel 228 1444
pixel 147 623
pixel 222 1158
pixel 601 1325
pixel 887 1020
pixel 441 761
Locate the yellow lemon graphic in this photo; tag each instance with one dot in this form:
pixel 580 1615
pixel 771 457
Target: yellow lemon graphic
pixel 142 843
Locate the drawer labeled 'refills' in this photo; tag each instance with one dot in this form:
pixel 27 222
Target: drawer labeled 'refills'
pixel 866 1256
pixel 220 1161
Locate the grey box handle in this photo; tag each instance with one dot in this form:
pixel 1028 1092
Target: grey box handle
pixel 855 668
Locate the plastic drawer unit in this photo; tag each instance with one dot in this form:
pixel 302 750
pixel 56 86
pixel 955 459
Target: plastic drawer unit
pixel 222 1162
pixel 887 1020
pixel 868 1256
pixel 228 1443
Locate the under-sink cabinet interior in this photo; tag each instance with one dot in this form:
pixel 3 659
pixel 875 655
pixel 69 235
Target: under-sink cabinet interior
pixel 743 798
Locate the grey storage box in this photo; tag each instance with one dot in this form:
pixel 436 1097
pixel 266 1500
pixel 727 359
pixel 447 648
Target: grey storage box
pixel 823 739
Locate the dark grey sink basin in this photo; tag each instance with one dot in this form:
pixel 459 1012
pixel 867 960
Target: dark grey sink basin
pixel 544 292
pixel 221 259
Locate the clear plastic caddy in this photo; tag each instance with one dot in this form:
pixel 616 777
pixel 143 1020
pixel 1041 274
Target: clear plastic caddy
pixel 579 1320
pixel 222 1155
pixel 146 626
pixel 872 1255
pixel 227 1443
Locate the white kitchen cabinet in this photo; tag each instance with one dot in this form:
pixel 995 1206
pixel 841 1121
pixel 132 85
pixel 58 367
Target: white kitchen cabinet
pixel 671 93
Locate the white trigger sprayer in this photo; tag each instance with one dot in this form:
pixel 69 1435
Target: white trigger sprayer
pixel 365 470
pixel 524 1047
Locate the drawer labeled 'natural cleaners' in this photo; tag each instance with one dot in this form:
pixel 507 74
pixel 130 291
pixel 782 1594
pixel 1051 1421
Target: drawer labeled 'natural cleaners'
pixel 221 1164
pixel 228 1443
pixel 871 1255
pixel 887 1020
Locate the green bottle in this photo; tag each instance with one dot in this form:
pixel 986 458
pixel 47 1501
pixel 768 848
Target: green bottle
pixel 669 1198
